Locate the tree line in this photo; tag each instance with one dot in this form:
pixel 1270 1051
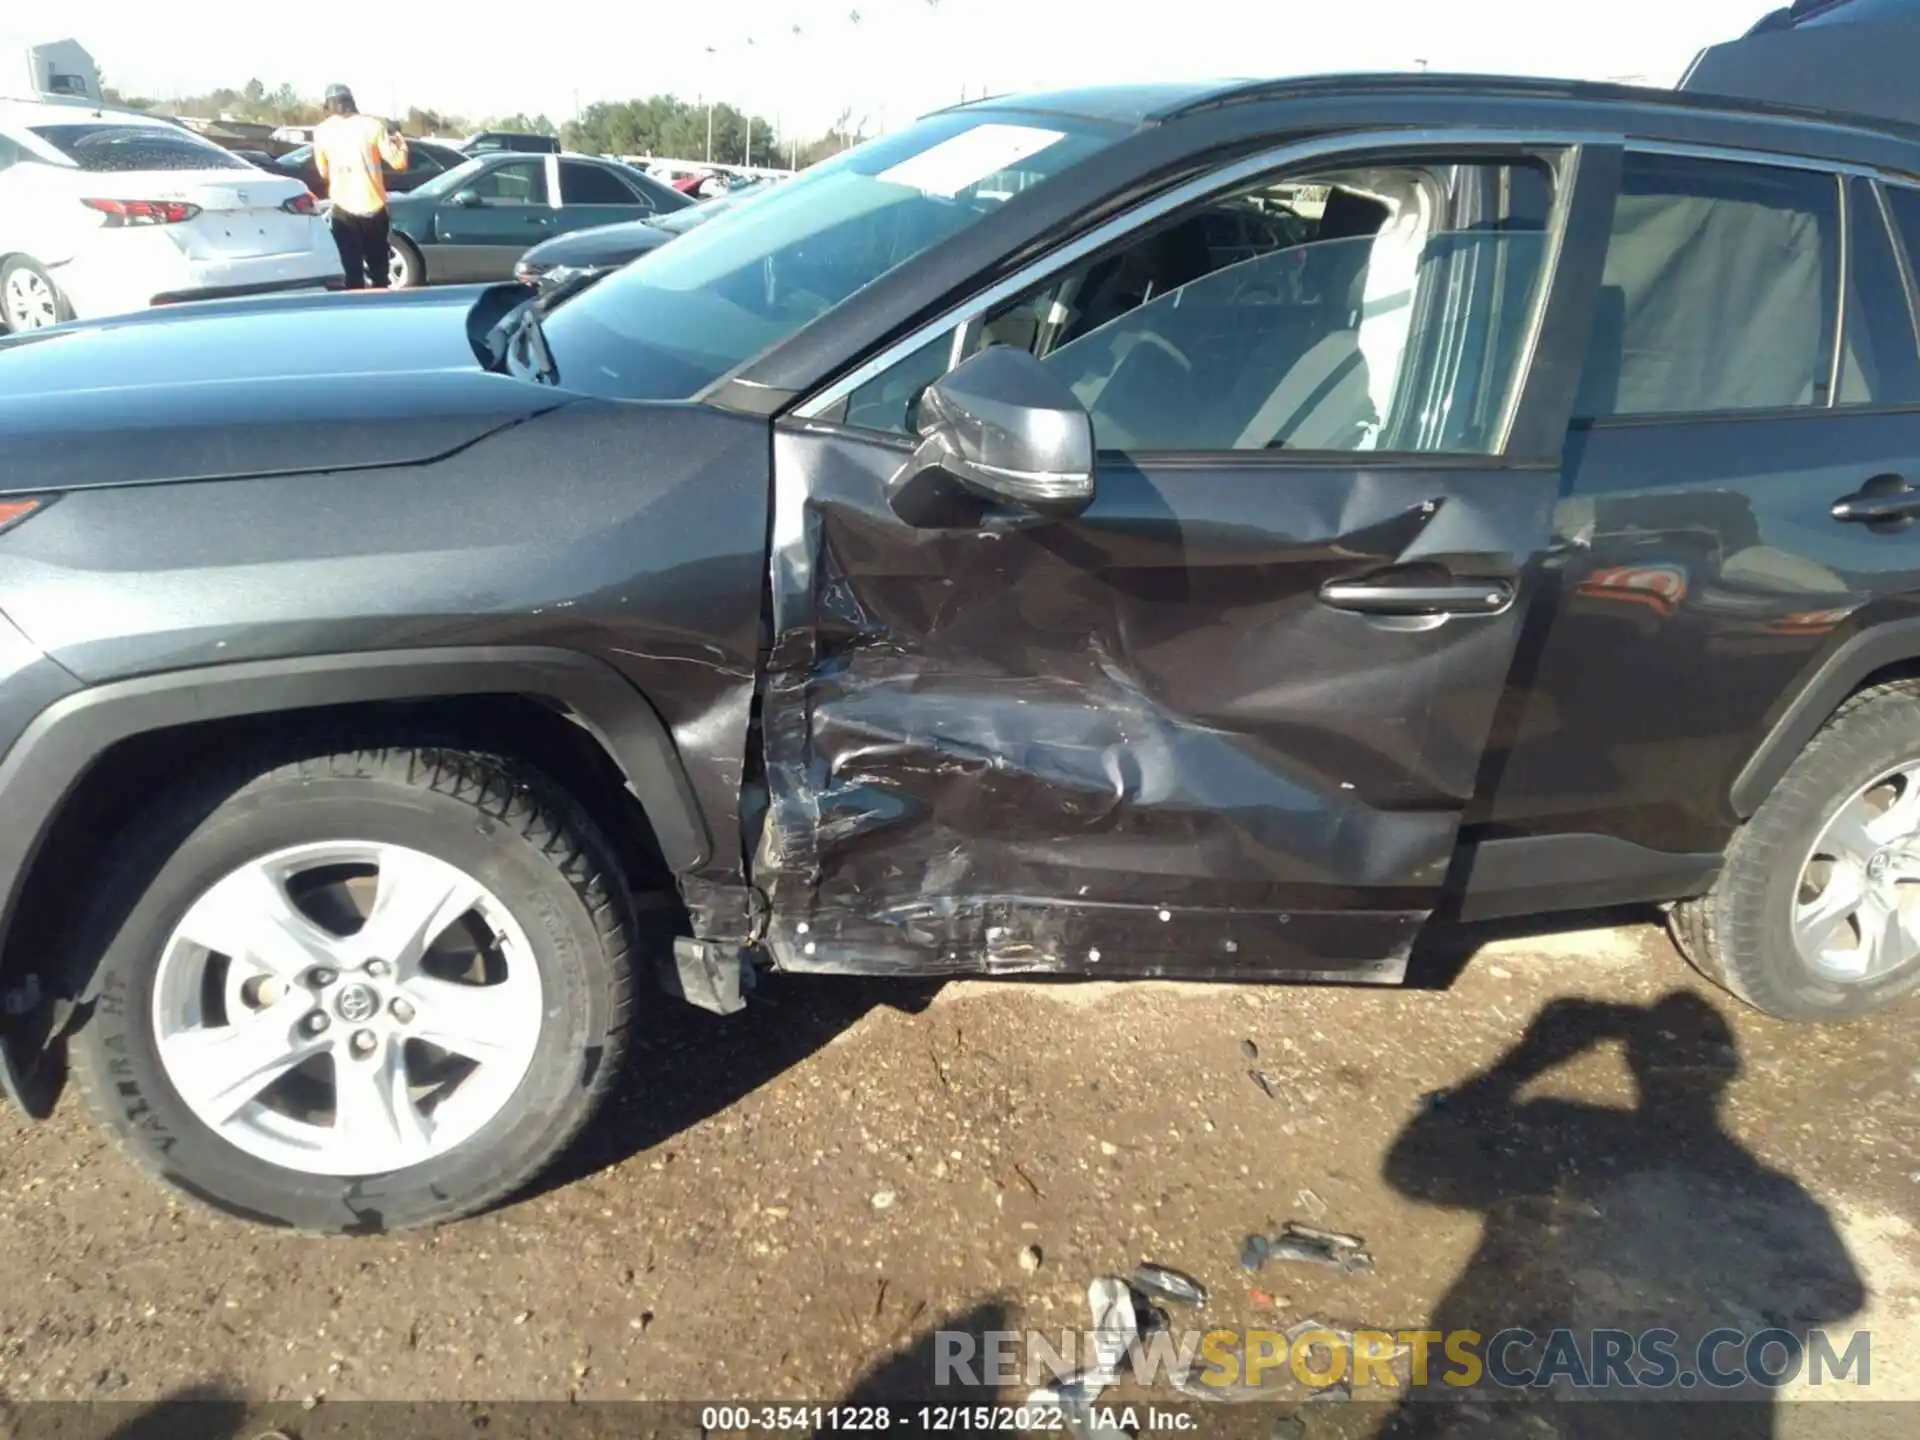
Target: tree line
pixel 663 125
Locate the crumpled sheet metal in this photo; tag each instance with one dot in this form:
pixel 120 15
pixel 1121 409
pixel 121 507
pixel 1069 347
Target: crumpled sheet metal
pixel 978 741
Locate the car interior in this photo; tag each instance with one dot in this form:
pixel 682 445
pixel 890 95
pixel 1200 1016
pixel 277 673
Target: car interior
pixel 1288 316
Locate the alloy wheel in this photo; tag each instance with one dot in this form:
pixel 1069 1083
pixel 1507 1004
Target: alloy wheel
pixel 347 1008
pixel 1856 912
pixel 31 303
pixel 396 268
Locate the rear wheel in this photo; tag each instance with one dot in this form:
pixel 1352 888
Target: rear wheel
pixel 29 298
pixel 361 991
pixel 1816 915
pixel 405 269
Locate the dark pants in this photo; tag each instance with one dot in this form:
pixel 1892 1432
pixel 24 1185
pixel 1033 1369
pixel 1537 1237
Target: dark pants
pixel 362 242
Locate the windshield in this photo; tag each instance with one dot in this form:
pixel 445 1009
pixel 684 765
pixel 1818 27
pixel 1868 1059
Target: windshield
pixel 680 221
pixel 751 276
pixel 137 147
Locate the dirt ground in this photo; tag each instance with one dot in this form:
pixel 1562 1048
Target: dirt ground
pixel 786 1205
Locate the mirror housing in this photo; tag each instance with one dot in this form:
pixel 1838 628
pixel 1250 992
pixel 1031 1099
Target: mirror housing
pixel 999 431
pixel 466 199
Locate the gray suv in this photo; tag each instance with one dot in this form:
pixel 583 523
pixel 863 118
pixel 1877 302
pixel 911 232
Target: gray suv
pixel 1198 531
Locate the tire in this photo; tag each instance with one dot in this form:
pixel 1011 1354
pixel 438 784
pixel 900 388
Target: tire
pixel 1742 933
pixel 405 269
pixel 554 909
pixel 29 297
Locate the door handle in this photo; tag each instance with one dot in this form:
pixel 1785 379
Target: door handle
pixel 1886 500
pixel 1388 594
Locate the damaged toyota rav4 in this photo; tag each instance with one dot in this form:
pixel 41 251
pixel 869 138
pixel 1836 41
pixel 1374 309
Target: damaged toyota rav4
pixel 1175 531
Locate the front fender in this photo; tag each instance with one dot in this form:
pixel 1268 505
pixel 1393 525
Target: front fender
pixel 52 756
pixel 56 749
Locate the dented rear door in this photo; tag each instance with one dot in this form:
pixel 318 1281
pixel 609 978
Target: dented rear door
pixel 1223 724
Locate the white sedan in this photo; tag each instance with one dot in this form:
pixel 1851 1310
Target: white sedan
pixel 105 211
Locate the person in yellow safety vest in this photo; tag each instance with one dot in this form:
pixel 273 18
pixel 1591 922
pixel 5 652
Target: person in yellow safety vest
pixel 352 152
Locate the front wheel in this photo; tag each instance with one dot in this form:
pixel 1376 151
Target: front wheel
pixel 1816 914
pixel 360 991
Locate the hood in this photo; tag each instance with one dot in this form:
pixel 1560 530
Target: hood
pixel 602 245
pixel 253 387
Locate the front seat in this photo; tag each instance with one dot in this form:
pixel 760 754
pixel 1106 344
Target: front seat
pixel 1324 398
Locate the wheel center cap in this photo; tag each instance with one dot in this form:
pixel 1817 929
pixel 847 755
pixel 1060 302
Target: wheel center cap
pixel 356 1003
pixel 1877 866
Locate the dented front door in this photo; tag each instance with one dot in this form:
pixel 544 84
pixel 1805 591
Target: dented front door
pixel 1223 724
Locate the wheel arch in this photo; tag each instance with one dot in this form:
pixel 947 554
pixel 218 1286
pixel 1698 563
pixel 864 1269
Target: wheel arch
pixel 1887 651
pixel 45 771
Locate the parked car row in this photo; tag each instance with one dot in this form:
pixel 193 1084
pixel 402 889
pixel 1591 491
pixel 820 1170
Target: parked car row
pixel 475 221
pixel 104 211
pixel 425 159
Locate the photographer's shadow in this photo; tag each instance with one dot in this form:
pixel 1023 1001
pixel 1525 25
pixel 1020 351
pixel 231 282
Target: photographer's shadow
pixel 1634 1220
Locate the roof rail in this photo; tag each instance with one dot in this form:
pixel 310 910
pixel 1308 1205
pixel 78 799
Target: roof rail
pixel 1520 86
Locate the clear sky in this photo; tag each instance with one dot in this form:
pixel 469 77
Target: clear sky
pixel 899 59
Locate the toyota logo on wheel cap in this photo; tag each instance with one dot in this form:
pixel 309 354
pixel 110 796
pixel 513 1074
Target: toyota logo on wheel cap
pixel 357 1003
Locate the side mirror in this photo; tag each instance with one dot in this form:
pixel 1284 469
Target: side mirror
pixel 1001 430
pixel 467 199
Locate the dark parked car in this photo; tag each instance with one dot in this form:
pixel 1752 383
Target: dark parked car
pixel 605 248
pixel 892 577
pixel 520 142
pixel 474 221
pixel 425 160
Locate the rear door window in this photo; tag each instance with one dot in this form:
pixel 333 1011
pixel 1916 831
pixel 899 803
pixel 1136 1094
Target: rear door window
pixel 1879 362
pixel 1720 291
pixel 108 148
pixel 583 184
pixel 1903 204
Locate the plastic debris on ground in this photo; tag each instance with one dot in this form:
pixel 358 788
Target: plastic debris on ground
pixel 1280 1382
pixel 1164 1284
pixel 1124 1311
pixel 1116 1324
pixel 1076 1398
pixel 1309 1245
pixel 1253 1253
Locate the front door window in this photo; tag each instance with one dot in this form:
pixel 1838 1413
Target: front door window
pixel 522 182
pixel 1370 309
